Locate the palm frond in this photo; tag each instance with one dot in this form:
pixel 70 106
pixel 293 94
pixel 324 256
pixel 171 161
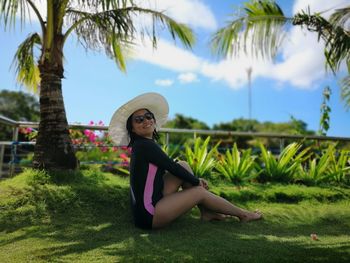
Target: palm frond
pixel 336 38
pixel 223 40
pixel 24 62
pixel 345 91
pixel 114 30
pixel 340 18
pixel 110 31
pixel 259 32
pixel 9 10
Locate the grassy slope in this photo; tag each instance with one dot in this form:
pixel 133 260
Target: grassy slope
pixel 87 219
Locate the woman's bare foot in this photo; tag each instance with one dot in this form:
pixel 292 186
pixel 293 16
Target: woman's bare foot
pixel 251 216
pixel 210 216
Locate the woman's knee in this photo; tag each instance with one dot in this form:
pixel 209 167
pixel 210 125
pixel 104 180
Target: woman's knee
pixel 200 192
pixel 185 165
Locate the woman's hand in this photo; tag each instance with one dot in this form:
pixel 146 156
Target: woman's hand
pixel 203 183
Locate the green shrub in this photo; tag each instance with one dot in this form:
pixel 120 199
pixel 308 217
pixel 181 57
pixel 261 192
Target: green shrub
pixel 284 167
pixel 200 159
pixel 339 167
pixel 315 171
pixel 236 167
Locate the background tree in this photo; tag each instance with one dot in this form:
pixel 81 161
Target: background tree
pixel 259 31
pixel 294 126
pixel 107 25
pixel 18 106
pixel 183 122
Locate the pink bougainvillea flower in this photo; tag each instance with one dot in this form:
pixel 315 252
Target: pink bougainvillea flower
pixel 124 156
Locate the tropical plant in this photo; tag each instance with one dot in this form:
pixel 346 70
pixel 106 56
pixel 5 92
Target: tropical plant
pixel 171 150
pixel 200 158
pixel 315 171
pixel 107 25
pixel 259 33
pixel 339 167
pixel 325 112
pixel 284 167
pixel 236 166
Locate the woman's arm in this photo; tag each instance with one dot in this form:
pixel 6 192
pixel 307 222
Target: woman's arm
pixel 156 156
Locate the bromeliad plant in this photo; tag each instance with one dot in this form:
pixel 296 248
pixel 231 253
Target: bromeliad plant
pixel 284 167
pixel 200 158
pixel 339 167
pixel 316 169
pixel 171 150
pixel 237 167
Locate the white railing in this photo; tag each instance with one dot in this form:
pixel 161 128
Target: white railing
pixel 16 125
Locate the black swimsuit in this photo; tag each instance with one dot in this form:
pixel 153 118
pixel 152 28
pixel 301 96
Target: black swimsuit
pixel 147 167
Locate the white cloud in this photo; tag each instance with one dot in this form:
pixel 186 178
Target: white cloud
pixel 191 12
pixel 181 10
pixel 164 82
pixel 188 77
pixel 167 55
pixel 324 6
pixel 303 60
pixel 231 71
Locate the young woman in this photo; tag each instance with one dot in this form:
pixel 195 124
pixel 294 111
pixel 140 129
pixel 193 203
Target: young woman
pixel 155 179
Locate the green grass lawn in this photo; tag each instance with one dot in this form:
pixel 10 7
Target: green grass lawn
pixel 87 219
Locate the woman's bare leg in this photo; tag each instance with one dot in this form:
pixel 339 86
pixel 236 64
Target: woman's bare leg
pixel 172 185
pixel 173 205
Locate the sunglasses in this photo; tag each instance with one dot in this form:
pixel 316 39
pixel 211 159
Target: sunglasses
pixel 140 118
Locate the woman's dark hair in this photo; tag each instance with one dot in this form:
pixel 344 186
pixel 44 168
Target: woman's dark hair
pixel 133 135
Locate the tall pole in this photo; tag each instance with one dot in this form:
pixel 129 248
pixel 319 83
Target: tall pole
pixel 249 74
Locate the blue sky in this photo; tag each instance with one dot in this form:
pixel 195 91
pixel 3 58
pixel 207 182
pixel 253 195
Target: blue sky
pixel 195 82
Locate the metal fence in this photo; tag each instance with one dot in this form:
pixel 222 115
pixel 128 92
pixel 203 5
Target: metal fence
pixel 7 167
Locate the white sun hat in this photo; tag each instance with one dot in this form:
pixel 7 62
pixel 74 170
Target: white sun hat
pixel 152 101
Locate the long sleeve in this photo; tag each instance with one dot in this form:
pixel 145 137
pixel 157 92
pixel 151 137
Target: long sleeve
pixel 156 156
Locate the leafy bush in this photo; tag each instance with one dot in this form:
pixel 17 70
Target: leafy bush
pixel 236 167
pixel 284 167
pixel 339 167
pixel 171 150
pixel 200 159
pixel 315 171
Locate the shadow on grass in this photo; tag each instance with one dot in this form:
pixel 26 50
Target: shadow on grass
pixel 189 240
pixel 87 219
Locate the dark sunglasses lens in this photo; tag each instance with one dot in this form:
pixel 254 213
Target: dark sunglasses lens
pixel 148 116
pixel 140 119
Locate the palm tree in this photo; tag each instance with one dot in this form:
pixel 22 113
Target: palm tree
pixel 108 25
pixel 258 31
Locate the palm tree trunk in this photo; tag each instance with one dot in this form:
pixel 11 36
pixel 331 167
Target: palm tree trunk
pixel 53 149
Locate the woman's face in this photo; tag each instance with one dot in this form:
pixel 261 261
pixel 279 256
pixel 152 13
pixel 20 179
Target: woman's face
pixel 143 123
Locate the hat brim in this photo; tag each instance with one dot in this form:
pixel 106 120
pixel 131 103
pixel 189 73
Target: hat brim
pixel 154 102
